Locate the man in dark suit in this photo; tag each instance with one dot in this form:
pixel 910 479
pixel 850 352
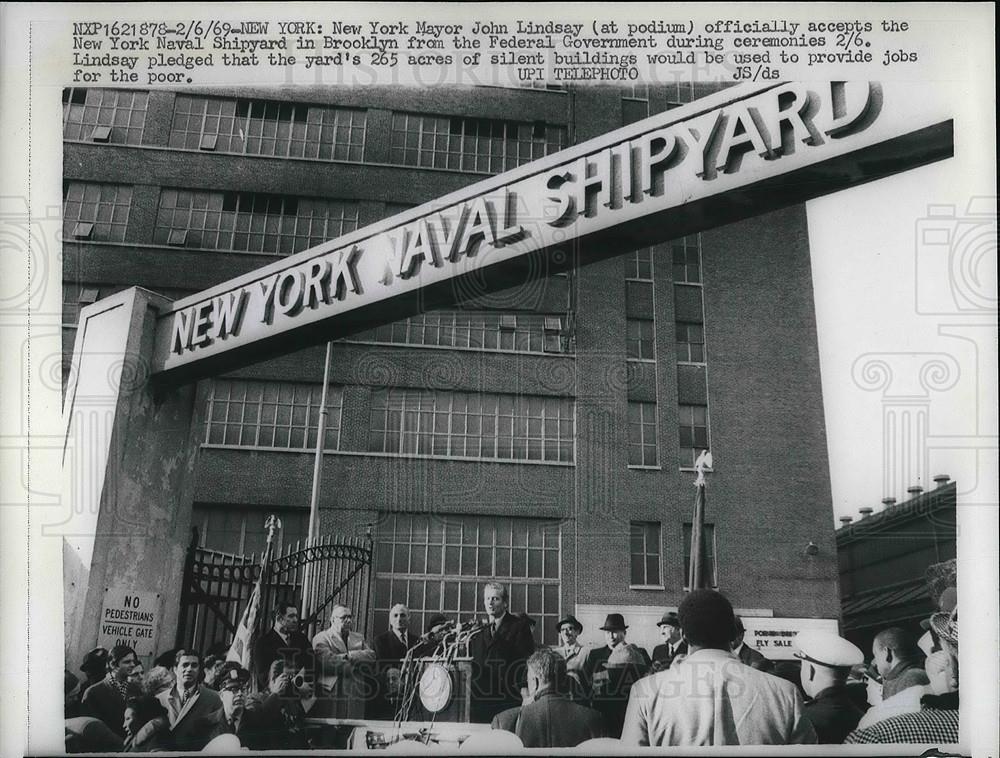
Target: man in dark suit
pixel 499 655
pixel 191 707
pixel 593 672
pixel 673 644
pixel 106 699
pixel 750 656
pixel 390 650
pixel 283 640
pixel 551 718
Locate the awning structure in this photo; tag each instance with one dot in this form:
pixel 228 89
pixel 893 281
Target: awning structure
pixel 886 605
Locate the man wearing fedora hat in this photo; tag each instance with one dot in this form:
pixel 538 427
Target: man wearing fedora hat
pixel 575 654
pixel 673 644
pixel 614 629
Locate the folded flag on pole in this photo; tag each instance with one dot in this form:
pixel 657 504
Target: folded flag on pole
pixel 241 650
pixel 697 575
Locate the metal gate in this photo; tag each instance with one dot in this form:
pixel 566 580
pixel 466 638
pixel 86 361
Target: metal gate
pixel 218 585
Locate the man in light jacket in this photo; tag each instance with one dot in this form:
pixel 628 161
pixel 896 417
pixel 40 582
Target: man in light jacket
pixel 711 697
pixel 344 668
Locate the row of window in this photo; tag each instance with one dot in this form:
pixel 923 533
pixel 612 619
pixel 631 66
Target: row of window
pixel 436 423
pixel 472 425
pixel 685 258
pixel 517 332
pixel 646 554
pixel 440 564
pixel 297 130
pixel 640 345
pixel 243 221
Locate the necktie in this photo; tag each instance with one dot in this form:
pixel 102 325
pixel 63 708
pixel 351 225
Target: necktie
pixel 344 636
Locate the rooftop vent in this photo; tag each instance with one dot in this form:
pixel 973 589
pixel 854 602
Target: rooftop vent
pixel 942 479
pixel 866 511
pixel 845 520
pixel 915 490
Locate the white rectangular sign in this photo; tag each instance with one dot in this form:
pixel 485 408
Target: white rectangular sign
pixel 773 636
pixel 129 618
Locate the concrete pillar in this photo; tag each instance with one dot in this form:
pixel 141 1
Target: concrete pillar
pixel 128 466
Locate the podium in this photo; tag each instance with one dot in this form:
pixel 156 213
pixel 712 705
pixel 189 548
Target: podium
pixel 452 695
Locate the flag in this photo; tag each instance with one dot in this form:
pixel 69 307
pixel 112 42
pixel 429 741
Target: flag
pixel 241 650
pixel 697 576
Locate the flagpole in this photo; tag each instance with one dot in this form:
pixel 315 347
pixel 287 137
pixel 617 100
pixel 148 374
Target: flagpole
pixel 317 479
pixel 696 569
pixel 241 649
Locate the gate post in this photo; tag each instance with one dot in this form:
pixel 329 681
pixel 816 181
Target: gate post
pixel 128 463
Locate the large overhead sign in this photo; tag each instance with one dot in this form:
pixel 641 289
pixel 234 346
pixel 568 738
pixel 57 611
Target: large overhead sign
pixel 732 155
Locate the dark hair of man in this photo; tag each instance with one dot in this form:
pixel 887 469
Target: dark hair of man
pixel 282 608
pixel 118 653
pixel 212 660
pixel 549 667
pixel 899 641
pixel 186 652
pixel 707 619
pixel 145 708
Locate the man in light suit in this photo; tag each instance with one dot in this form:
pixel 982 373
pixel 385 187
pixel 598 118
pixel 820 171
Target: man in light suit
pixel 192 708
pixel 344 668
pixel 573 653
pixel 711 697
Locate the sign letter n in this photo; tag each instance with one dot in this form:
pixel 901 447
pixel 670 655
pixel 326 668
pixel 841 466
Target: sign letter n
pixel 183 326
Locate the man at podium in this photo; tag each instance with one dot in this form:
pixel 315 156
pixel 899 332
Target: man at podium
pixel 499 657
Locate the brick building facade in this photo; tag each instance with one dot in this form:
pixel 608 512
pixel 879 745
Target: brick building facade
pixel 545 434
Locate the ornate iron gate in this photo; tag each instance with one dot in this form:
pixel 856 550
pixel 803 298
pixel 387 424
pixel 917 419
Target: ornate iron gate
pixel 218 585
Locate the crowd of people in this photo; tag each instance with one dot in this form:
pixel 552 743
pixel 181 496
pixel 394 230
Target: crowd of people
pixel 703 685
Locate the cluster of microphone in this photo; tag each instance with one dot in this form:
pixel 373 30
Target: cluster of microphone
pixel 449 628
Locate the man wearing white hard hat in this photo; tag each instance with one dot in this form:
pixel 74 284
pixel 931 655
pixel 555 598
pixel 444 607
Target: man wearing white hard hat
pixel 826 663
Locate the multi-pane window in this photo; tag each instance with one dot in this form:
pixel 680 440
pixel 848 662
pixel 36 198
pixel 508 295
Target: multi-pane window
pixel 690 342
pixel 708 547
pixel 470 144
pixel 249 221
pixel 641 434
pixel 517 332
pixel 471 425
pixel 639 339
pixel 240 530
pixel 258 127
pixel 75 297
pixel 639 296
pixel 693 427
pixel 686 254
pixel 440 564
pixel 644 554
pixel 639 264
pixel 104 115
pixel 679 92
pixel 96 212
pixel 274 415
